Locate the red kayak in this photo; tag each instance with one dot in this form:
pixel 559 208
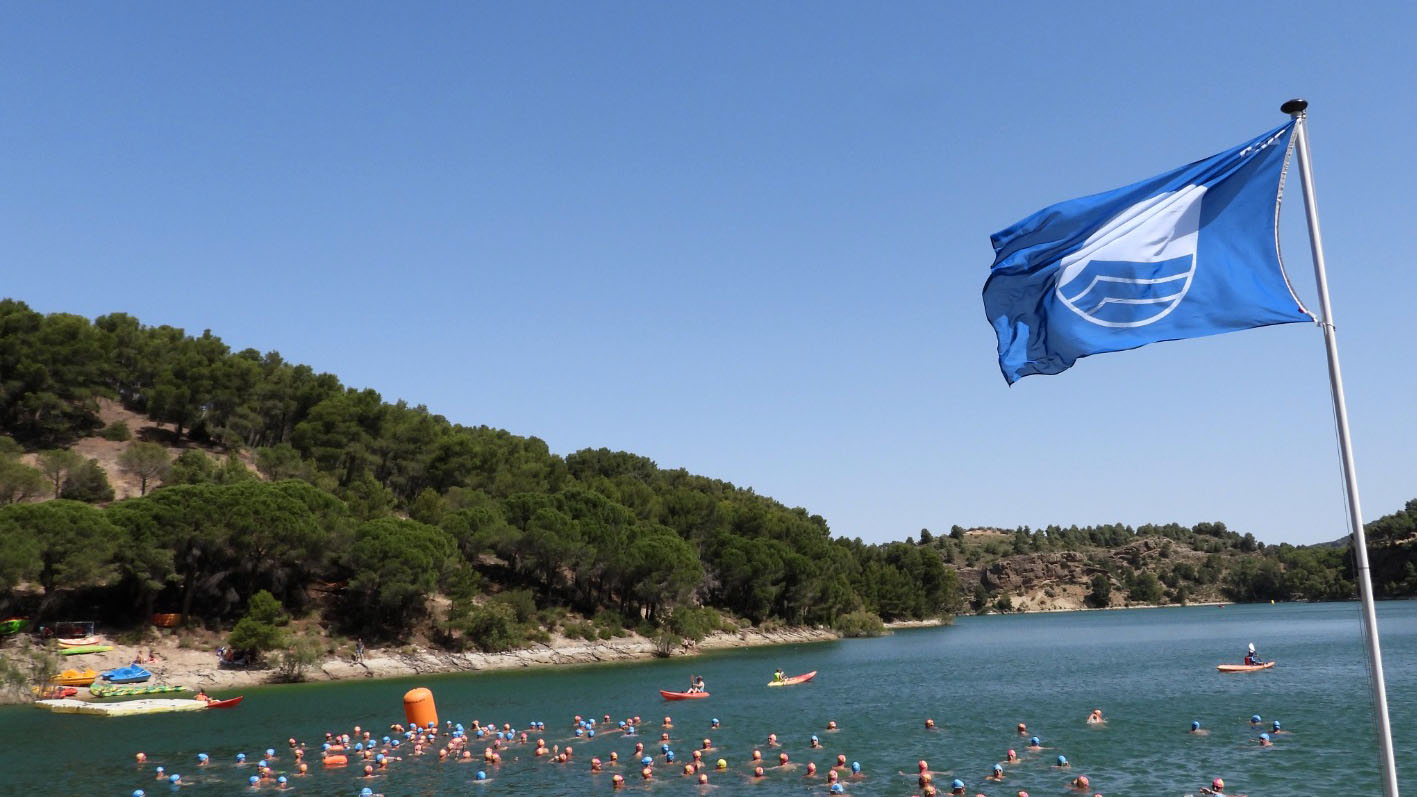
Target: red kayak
pixel 227 703
pixel 1244 667
pixel 682 695
pixel 796 679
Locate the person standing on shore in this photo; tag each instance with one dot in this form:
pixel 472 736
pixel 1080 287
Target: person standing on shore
pixel 359 651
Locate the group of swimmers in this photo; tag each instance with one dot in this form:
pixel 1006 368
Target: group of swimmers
pixel 377 755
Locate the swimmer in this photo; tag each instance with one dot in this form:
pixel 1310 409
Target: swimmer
pixel 1022 729
pixel 758 772
pixel 720 764
pixel 1216 788
pixel 714 723
pixel 782 762
pixel 929 724
pixel 757 755
pixel 1255 719
pixel 1095 718
pixel 1276 729
pixel 772 740
pixel 1264 740
pixel 831 725
pixel 1011 757
pixel 1061 762
pixel 708 745
pixel 161 774
pixel 856 773
pixel 1081 783
pixel 617 781
pixel 841 761
pixel 997 774
pixel 816 743
pixel 203 759
pixel 811 770
pixel 1197 729
pixel 956 786
pixel 668 723
pixel 1034 743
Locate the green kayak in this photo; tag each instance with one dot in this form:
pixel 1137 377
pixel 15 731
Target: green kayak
pixel 85 649
pixel 133 690
pixel 13 625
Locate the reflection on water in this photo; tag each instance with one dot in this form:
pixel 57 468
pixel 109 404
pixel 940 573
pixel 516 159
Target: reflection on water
pixel 1151 671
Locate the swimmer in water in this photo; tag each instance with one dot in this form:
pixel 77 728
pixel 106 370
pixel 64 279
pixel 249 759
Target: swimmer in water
pixel 817 743
pixel 1022 729
pixel 997 774
pixel 929 724
pixel 1255 719
pixel 956 786
pixel 1081 783
pixel 1034 743
pixel 1264 740
pixel 1275 729
pixel 1061 762
pixel 1095 718
pixel 811 770
pixel 1197 729
pixel 1216 788
pixel 1011 757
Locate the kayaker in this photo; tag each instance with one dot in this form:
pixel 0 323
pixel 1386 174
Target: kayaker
pixel 779 675
pixel 1251 656
pixel 699 683
pixel 202 695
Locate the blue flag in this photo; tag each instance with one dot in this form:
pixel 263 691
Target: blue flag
pixel 1188 253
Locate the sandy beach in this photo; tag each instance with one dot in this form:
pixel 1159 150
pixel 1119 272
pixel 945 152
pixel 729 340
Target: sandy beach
pixel 172 662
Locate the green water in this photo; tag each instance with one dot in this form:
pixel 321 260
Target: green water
pixel 1151 671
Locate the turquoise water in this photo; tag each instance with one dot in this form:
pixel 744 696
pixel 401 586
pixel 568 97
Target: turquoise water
pixel 1150 671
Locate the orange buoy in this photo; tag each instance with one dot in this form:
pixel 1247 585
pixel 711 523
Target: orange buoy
pixel 418 708
pixel 335 761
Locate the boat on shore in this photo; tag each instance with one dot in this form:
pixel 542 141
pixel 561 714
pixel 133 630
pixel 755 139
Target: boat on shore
pixel 82 649
pixel 1244 667
pixel 795 679
pixel 132 674
pixel 77 642
pixel 121 709
pixel 74 677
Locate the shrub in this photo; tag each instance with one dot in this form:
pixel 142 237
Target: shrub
pixel 117 431
pixel 612 621
pixel 665 642
pixel 694 624
pixel 89 483
pixel 859 624
pixel 297 657
pixel 577 630
pixel 260 630
pixel 492 627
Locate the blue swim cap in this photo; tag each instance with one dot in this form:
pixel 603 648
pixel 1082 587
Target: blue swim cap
pixel 264 763
pixel 1264 736
pixel 173 778
pixel 366 792
pixel 956 784
pixel 998 767
pixel 855 766
pixel 254 779
pixel 646 761
pixel 395 743
pixel 1195 725
pixel 1276 725
pixel 1062 759
pixel 481 775
pixel 622 723
pixel 160 769
pixel 837 788
pixel 386 740
pixel 579 732
pixel 664 748
pixel 814 737
pixel 281 779
pixel 1254 718
pixel 1034 741
pixel 357 746
pixel 270 752
pixel 715 720
pixel 590 732
pixel 201 756
pixel 139 793
pixel 379 757
pixel 242 756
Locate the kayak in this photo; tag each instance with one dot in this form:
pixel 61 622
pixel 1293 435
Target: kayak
pixel 796 679
pixel 682 695
pixel 1244 667
pixel 227 703
pixel 82 649
pixel 13 625
pixel 74 678
pixel 77 642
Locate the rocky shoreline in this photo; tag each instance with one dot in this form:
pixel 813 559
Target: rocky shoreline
pixel 171 663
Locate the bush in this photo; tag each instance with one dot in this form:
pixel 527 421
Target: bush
pixel 859 624
pixel 260 630
pixel 292 662
pixel 117 432
pixel 693 623
pixel 579 631
pixel 89 484
pixel 665 642
pixel 611 623
pixel 492 627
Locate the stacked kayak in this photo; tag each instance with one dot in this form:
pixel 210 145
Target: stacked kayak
pixel 132 674
pixel 133 690
pixel 796 679
pixel 74 678
pixel 77 642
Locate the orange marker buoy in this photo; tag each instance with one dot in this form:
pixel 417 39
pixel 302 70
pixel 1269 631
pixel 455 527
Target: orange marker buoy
pixel 419 709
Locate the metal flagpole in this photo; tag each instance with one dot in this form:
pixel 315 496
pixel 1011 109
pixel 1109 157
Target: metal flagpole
pixel 1296 109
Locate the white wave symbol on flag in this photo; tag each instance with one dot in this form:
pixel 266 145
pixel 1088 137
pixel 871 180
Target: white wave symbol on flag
pixel 1129 293
pixel 1136 268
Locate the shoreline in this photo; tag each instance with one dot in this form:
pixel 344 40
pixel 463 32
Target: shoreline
pixel 197 668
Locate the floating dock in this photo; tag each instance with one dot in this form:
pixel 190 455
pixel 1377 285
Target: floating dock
pixel 124 709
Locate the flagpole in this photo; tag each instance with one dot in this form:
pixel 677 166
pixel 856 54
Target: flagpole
pixel 1297 110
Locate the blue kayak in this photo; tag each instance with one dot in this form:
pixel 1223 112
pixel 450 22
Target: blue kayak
pixel 132 674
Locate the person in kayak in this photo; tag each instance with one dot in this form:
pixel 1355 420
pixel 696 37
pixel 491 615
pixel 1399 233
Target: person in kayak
pixel 779 675
pixel 699 684
pixel 1251 656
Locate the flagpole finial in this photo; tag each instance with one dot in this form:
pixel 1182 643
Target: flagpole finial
pixel 1294 107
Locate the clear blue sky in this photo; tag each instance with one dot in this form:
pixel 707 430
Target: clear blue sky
pixel 746 239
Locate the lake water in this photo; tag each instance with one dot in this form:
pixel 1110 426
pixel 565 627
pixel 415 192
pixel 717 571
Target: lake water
pixel 1151 672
